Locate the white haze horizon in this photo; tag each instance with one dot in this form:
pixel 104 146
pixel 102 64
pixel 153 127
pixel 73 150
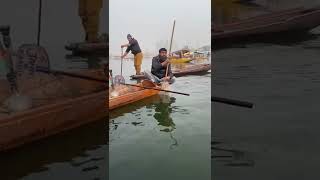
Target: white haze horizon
pixel 150 22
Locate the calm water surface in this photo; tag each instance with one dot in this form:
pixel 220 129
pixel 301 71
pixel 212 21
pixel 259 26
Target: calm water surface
pixel 162 137
pixel 278 139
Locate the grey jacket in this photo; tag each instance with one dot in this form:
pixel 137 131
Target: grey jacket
pixel 158 70
pixel 133 47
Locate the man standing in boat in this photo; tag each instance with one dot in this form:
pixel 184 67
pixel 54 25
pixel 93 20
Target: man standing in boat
pixel 160 66
pixel 89 11
pixel 134 47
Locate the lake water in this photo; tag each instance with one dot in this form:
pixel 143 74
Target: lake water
pixel 162 137
pixel 278 138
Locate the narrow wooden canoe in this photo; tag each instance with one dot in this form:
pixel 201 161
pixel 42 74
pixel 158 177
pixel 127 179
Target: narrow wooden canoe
pixel 292 20
pixel 194 69
pixel 52 116
pixel 129 94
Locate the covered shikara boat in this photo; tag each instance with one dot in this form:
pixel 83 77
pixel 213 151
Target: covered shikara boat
pixel 123 95
pixel 58 104
pixel 292 20
pixel 181 56
pixel 192 69
pixel 180 60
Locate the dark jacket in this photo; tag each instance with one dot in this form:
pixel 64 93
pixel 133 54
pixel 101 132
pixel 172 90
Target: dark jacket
pixel 133 47
pixel 158 70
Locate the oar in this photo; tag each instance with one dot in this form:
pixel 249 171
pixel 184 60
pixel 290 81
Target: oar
pixel 71 75
pixel 157 89
pixel 101 80
pixel 232 102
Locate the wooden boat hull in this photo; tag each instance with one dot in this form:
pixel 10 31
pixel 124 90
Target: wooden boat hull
pixel 196 69
pixel 134 95
pixel 38 123
pixel 295 20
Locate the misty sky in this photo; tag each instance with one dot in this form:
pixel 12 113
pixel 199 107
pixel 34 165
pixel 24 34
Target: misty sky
pixel 151 21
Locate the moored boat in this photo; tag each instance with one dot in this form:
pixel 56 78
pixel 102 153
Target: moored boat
pixel 292 20
pixel 194 69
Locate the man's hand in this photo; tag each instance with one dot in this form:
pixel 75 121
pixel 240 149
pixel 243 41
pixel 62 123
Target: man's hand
pixel 165 63
pixel 123 56
pixel 167 78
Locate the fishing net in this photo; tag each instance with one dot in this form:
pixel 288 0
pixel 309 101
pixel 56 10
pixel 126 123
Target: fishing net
pixel 30 58
pixel 118 79
pixel 43 88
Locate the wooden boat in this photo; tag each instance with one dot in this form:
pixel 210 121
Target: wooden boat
pixel 128 94
pixel 292 20
pixel 82 103
pixel 194 69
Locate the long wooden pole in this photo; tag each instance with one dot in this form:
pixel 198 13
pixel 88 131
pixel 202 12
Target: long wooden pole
pixel 232 102
pixel 157 89
pixel 174 24
pixel 121 59
pixel 101 80
pixel 74 75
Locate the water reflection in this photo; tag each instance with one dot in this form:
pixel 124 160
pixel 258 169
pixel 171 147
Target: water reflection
pixel 230 156
pixel 162 114
pixel 163 111
pixel 160 107
pixel 83 148
pixel 116 113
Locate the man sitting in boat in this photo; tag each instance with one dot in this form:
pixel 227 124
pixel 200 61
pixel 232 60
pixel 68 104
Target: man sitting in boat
pixel 134 47
pixel 161 69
